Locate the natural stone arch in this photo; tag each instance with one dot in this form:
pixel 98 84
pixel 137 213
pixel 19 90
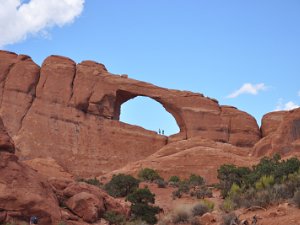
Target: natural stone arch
pixel 123 96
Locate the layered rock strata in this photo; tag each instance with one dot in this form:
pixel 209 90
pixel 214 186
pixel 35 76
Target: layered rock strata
pixel 70 112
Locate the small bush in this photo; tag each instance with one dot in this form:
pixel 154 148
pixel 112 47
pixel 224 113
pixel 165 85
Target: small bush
pixel 121 185
pixel 210 205
pixel 161 183
pixel 263 198
pixel 296 198
pixel 140 207
pixel 228 205
pixel 282 191
pixel 176 194
pixel 265 182
pixel 202 193
pixel 93 181
pixel 195 180
pixel 199 209
pixel 180 216
pixel 184 187
pixel 234 190
pixel 114 218
pixel 174 179
pixel 229 219
pixel 145 212
pixel 148 174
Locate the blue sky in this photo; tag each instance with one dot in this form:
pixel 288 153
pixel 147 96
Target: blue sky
pixel 243 53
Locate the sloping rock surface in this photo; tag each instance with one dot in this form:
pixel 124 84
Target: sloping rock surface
pixel 196 155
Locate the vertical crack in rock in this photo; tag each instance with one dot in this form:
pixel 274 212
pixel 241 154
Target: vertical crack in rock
pixel 25 113
pixel 72 84
pixel 229 129
pixel 32 92
pixel 4 81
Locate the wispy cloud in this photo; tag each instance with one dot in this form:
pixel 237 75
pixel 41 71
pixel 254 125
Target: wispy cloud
pixel 285 106
pixel 19 18
pixel 248 88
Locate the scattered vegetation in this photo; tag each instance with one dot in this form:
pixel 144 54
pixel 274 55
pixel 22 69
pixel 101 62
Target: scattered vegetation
pixel 121 185
pixel 270 181
pixel 195 186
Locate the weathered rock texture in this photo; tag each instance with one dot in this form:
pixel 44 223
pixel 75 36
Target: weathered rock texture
pixel 71 113
pixel 195 155
pixel 23 192
pixel 281 132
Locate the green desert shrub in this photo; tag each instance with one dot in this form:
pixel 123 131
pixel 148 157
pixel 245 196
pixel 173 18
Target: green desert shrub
pixel 121 185
pixel 148 174
pixel 114 218
pixel 174 179
pixel 229 174
pixel 265 182
pixel 184 187
pixel 199 209
pixel 142 205
pixel 195 180
pixel 210 205
pixel 203 192
pixel 228 205
pixel 92 181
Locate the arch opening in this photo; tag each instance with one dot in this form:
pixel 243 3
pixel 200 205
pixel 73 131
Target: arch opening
pixel 149 114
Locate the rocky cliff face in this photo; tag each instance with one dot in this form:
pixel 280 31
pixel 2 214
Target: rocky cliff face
pixel 281 134
pixel 70 112
pixel 25 192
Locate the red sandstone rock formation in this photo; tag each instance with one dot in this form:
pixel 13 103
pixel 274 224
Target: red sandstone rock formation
pixel 23 192
pixel 196 155
pixel 71 113
pixel 281 134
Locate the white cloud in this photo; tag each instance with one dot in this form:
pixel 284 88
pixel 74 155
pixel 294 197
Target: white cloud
pixel 18 19
pixel 248 88
pixel 285 106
